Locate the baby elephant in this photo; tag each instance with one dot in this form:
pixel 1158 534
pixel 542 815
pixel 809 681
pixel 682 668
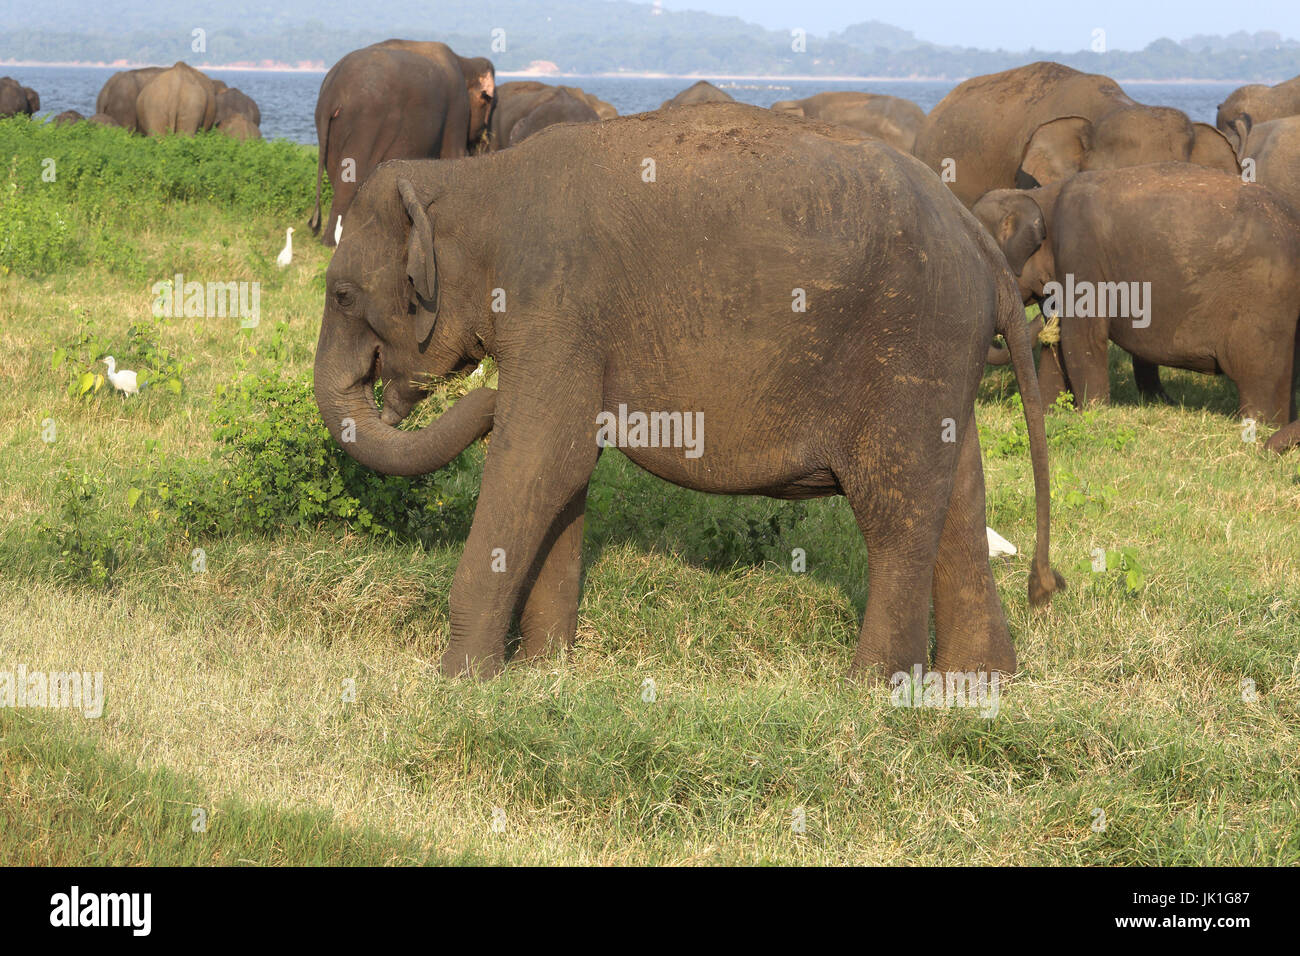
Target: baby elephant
pixel 1177 264
pixel 816 310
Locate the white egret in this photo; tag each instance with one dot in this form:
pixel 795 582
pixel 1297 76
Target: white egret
pixel 124 381
pixel 286 254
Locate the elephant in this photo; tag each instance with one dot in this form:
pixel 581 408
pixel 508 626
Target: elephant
pixel 544 109
pixel 521 98
pixel 16 99
pixel 891 118
pixel 177 100
pixel 238 126
pixel 103 119
pixel 1274 147
pixel 1040 123
pixel 232 101
pixel 399 99
pixel 1215 261
pixel 700 92
pixel 1262 103
pixel 67 117
pixel 823 305
pixel 117 96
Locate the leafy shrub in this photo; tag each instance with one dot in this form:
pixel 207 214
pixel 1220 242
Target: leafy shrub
pixel 1122 564
pixel 1066 427
pixel 85 544
pixel 141 350
pixel 276 467
pixel 36 236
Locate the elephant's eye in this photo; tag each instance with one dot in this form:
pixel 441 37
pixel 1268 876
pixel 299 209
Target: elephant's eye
pixel 345 298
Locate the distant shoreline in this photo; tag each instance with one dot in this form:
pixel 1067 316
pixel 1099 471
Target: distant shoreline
pixel 630 75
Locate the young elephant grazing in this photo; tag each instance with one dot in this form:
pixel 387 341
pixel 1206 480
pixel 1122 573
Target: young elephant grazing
pixel 816 308
pixel 1177 264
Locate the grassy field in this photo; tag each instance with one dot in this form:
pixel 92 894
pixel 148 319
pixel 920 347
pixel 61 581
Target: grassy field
pixel 288 688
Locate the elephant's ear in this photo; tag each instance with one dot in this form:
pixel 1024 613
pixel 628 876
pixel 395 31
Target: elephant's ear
pixel 1211 148
pixel 1056 149
pixel 421 263
pixel 1021 231
pixel 1238 134
pixel 33 98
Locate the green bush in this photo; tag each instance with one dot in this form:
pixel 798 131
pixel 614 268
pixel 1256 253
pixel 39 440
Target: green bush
pixel 36 235
pixel 140 350
pixel 276 467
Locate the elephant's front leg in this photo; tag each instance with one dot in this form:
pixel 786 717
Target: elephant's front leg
pixel 970 629
pixel 548 620
pixel 538 465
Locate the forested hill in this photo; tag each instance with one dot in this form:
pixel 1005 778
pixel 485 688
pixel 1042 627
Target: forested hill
pixel 577 37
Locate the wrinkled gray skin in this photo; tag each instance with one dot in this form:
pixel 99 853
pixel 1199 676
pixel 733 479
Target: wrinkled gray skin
pixel 700 92
pixel 889 118
pixel 1222 257
pixel 1275 148
pixel 1261 103
pixel 178 100
pixel 16 99
pixel 679 299
pixel 118 95
pixel 1042 123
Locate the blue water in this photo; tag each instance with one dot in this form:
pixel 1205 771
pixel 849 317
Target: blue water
pixel 288 100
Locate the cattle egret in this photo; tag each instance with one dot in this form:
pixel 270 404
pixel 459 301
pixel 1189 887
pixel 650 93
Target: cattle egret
pixel 338 230
pixel 286 254
pixel 998 545
pixel 124 381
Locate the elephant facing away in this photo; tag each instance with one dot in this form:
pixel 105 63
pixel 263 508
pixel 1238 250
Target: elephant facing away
pixel 1176 264
pixel 679 303
pixel 889 118
pixel 16 99
pixel 1037 124
pixel 700 92
pixel 1262 103
pixel 118 95
pixel 399 99
pixel 177 100
pixel 519 115
pixel 1274 149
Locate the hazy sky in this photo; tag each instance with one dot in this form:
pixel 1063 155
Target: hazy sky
pixel 1018 25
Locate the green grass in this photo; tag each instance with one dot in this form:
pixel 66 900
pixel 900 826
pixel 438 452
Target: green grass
pixel 225 689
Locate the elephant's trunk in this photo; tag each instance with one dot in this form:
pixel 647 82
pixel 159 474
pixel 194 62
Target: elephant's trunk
pixel 347 404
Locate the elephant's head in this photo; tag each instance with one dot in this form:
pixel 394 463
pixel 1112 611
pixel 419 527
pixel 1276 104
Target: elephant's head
pixel 1238 133
pixel 1017 220
pixel 481 82
pixel 788 106
pixel 395 309
pixel 1129 136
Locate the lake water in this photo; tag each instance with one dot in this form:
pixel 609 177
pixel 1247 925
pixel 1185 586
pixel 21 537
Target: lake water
pixel 288 100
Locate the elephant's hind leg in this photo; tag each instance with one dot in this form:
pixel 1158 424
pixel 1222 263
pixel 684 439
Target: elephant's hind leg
pixel 969 627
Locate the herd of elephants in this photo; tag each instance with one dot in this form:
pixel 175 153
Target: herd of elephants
pixel 822 283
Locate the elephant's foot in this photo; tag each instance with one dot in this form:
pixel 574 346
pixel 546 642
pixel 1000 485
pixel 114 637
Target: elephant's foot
pixel 1284 438
pixel 980 647
pixel 457 661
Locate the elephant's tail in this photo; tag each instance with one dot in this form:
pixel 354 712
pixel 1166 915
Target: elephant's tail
pixel 323 136
pixel 1011 325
